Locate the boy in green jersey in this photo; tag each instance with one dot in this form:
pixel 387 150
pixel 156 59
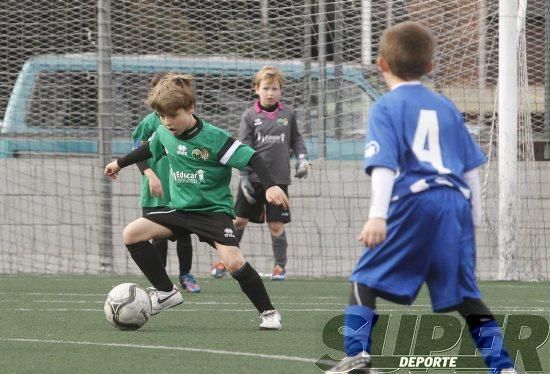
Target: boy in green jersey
pixel 201 157
pixel 155 194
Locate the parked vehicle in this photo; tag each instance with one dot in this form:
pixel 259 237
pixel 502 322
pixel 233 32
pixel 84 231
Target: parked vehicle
pixel 53 105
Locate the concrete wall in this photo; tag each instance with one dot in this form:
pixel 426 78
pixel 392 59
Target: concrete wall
pixel 49 221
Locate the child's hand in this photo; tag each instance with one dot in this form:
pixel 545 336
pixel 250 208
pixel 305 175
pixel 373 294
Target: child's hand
pixel 155 187
pixel 112 169
pixel 276 196
pixel 374 232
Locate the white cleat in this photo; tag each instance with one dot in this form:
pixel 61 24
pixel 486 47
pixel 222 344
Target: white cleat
pixel 360 363
pixel 271 320
pixel 163 300
pixel 508 371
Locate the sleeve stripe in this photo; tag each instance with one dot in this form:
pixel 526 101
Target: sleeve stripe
pixel 227 155
pixel 228 143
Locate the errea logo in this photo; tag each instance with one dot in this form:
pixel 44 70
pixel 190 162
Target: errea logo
pixel 182 150
pixel 228 233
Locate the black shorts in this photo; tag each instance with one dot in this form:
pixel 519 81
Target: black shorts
pixel 148 209
pixel 210 227
pixel 258 212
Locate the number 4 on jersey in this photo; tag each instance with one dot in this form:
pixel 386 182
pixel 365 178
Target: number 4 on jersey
pixel 426 141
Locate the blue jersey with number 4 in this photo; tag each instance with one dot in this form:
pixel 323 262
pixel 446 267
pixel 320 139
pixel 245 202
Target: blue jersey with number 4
pixel 420 135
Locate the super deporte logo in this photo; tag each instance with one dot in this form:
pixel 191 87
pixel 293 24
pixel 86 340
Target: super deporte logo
pixel 187 177
pixel 441 342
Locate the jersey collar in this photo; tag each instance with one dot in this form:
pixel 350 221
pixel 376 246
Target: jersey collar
pixel 409 83
pixel 270 115
pixel 259 109
pixel 193 131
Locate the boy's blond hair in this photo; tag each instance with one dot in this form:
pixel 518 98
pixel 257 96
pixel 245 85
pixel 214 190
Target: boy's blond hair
pixel 269 73
pixel 408 48
pixel 172 93
pixel 157 77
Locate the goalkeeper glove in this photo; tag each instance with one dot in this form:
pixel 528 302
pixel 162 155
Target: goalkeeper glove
pixel 246 186
pixel 302 166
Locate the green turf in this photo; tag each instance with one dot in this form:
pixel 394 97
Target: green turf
pixel 54 324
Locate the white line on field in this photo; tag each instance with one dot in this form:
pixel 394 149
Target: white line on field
pixel 201 296
pixel 180 310
pixel 327 304
pixel 185 301
pixel 163 347
pixel 338 310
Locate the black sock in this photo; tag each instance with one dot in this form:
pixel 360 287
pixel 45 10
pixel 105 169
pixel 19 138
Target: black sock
pixel 147 258
pixel 162 246
pixel 185 253
pixel 253 286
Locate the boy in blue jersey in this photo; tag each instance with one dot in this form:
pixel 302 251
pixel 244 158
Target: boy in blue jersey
pixel 424 204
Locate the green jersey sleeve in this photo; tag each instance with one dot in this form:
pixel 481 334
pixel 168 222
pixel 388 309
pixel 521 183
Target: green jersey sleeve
pixel 155 145
pixel 234 153
pixel 145 129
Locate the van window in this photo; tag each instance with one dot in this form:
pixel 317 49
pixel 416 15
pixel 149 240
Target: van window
pixel 67 101
pixel 63 100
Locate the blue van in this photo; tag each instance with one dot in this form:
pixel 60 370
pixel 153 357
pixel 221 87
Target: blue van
pixel 53 105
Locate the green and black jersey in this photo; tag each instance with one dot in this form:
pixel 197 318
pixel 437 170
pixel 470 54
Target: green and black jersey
pixel 142 133
pixel 200 166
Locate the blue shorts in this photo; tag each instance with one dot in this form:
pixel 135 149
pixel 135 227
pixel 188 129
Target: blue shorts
pixel 430 239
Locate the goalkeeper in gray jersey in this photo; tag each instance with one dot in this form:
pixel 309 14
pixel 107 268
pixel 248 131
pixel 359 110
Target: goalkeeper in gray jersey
pixel 270 128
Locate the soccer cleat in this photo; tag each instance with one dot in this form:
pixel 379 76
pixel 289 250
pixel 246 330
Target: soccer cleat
pixel 163 300
pixel 271 320
pixel 508 371
pixel 279 273
pixel 189 283
pixel 360 363
pixel 218 270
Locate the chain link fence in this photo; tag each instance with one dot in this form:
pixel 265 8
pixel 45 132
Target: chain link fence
pixel 75 75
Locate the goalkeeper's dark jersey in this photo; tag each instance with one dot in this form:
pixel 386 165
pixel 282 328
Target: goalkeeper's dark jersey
pixel 274 135
pixel 200 166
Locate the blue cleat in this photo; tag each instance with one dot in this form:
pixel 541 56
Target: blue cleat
pixel 189 283
pixel 218 270
pixel 279 273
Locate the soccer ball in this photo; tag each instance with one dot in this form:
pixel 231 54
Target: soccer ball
pixel 128 306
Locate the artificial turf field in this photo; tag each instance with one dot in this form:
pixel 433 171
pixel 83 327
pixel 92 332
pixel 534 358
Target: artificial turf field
pixel 55 324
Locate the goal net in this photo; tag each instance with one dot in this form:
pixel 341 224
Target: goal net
pixel 76 73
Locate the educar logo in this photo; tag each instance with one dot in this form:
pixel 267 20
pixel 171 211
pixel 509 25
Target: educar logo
pixel 185 177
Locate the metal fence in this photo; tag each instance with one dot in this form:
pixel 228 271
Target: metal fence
pixel 75 74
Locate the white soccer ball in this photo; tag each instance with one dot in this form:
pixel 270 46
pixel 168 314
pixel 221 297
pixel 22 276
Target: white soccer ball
pixel 128 306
